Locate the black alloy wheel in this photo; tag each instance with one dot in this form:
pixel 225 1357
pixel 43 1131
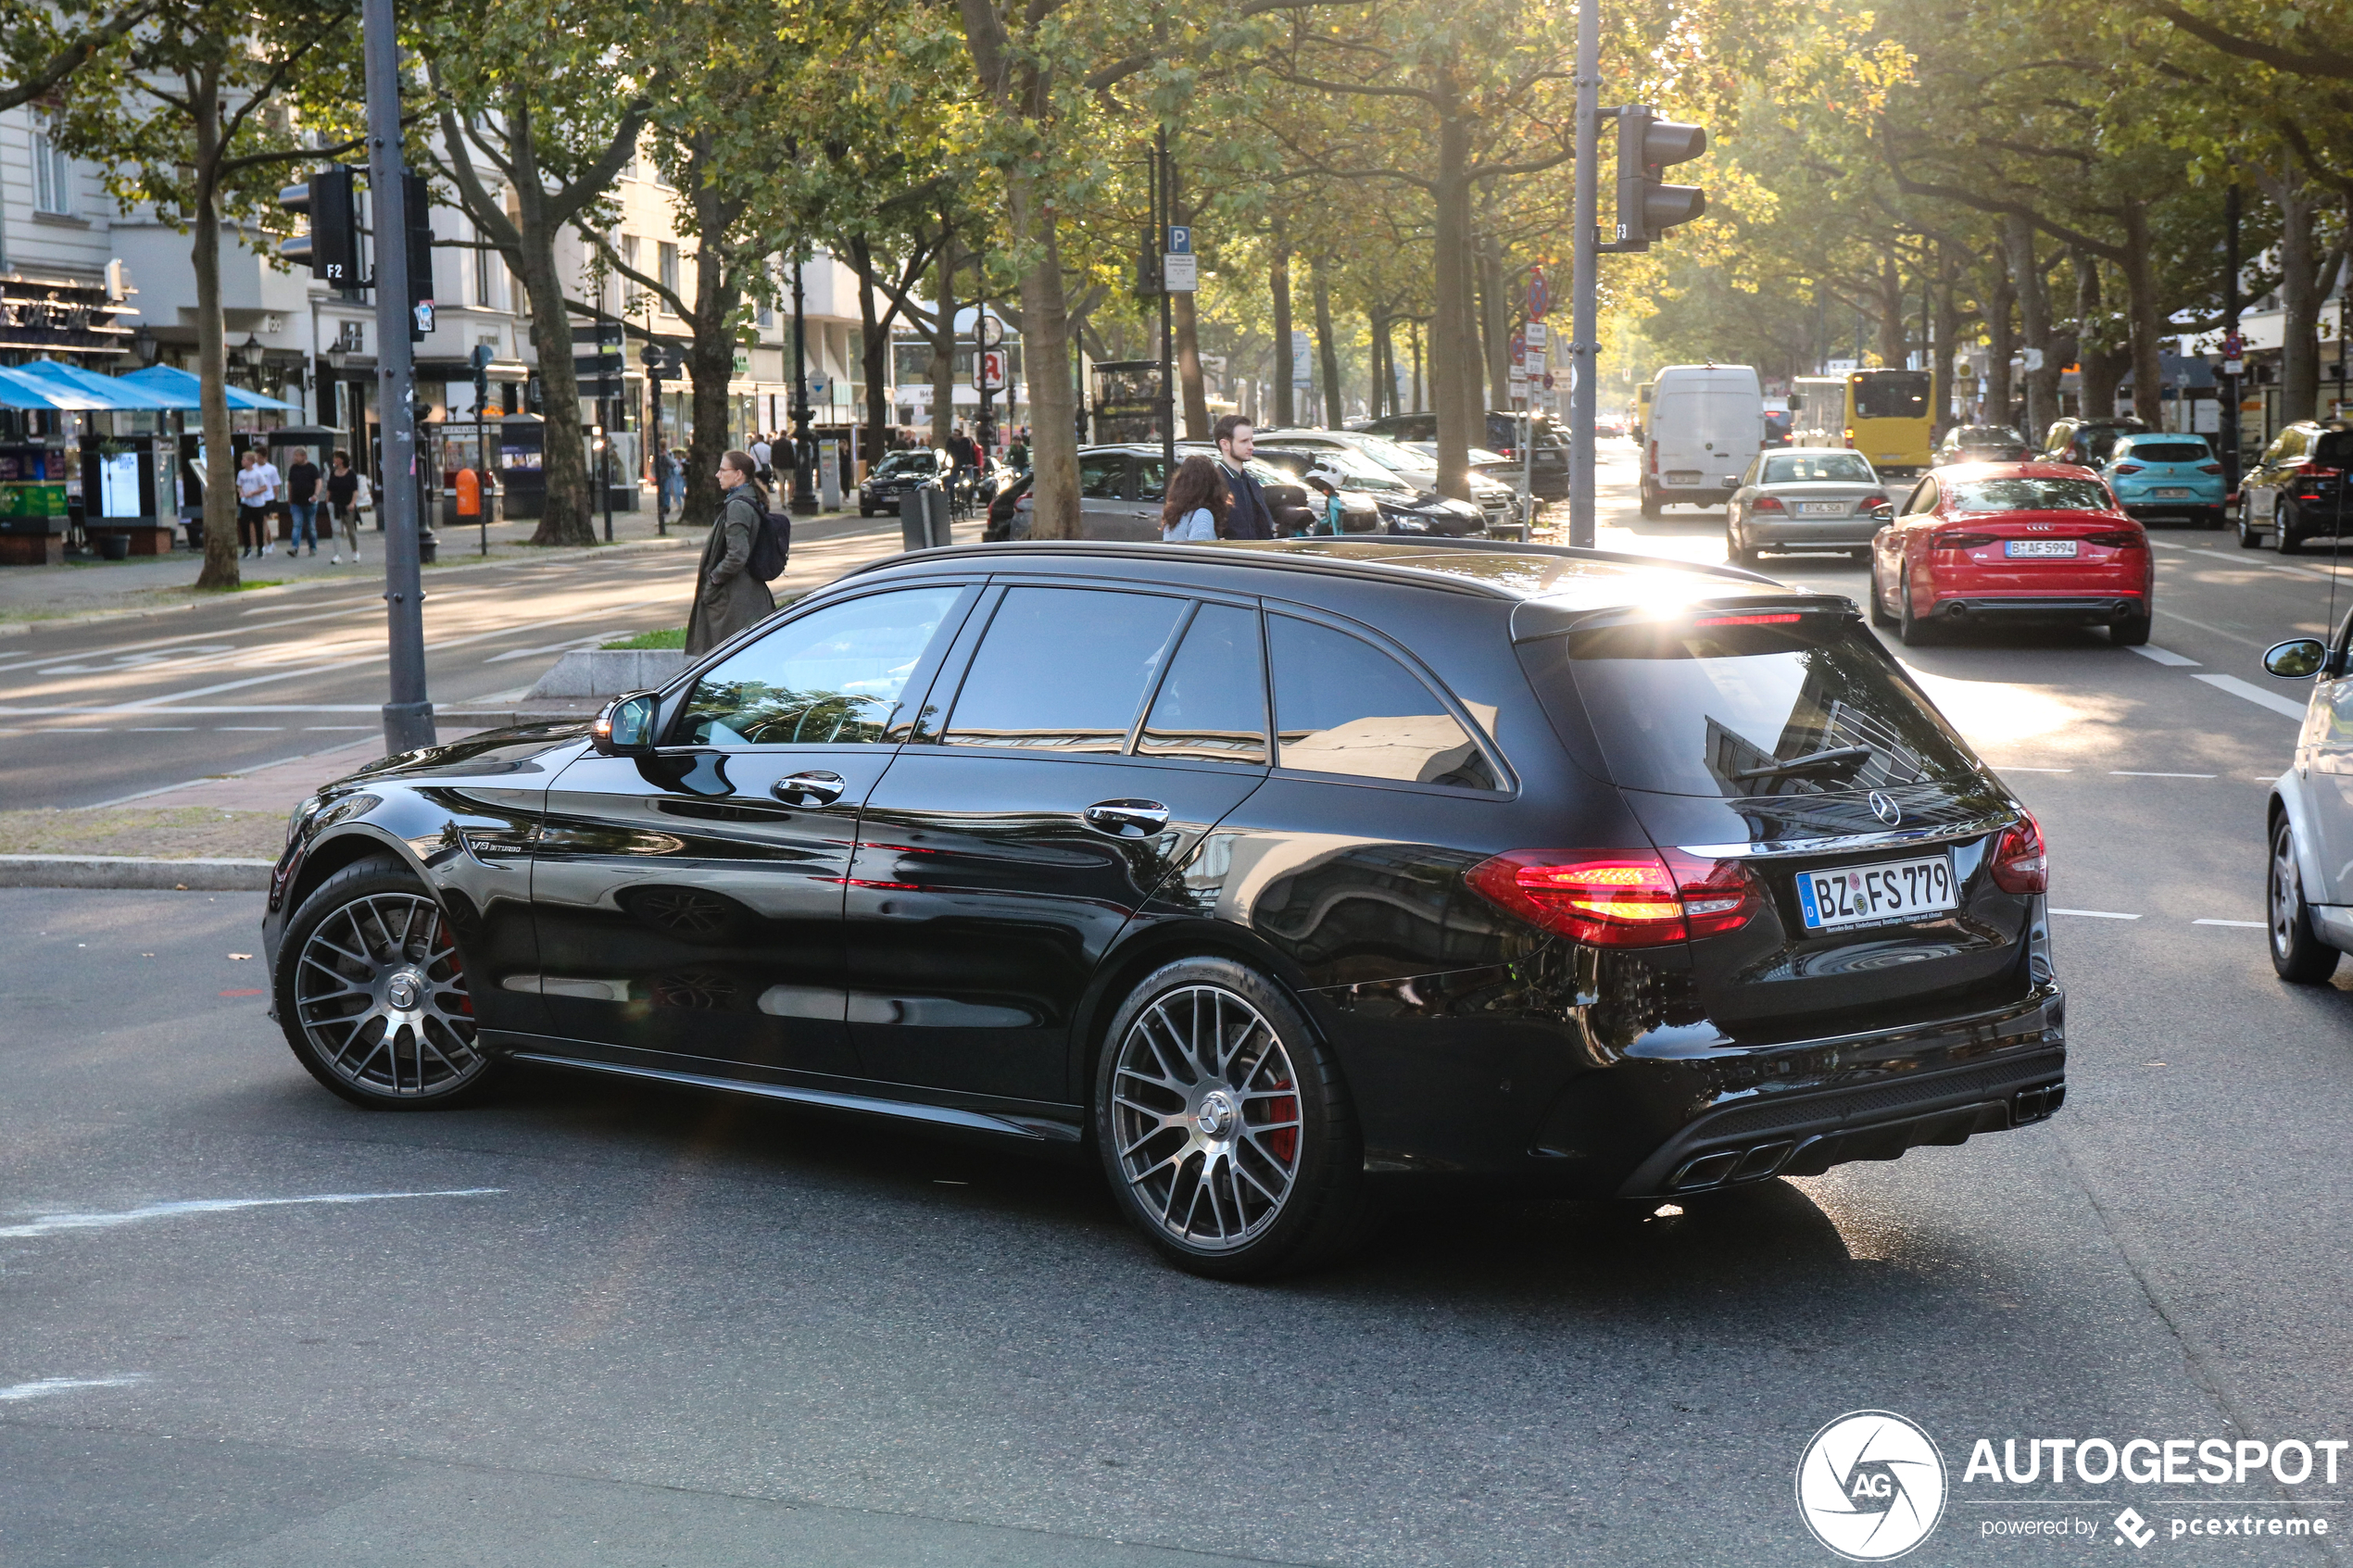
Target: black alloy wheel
pixel 372 992
pixel 1913 630
pixel 1224 1126
pixel 2250 538
pixel 2297 952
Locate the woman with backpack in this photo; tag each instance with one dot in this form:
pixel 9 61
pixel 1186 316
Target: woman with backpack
pixel 728 597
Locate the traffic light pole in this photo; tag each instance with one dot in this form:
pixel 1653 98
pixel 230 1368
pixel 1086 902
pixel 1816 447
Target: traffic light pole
pixel 1583 279
pixel 409 714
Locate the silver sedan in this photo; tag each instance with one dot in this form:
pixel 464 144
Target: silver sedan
pixel 1805 499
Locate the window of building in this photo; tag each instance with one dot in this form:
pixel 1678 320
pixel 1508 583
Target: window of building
pixel 632 294
pixel 52 175
pixel 669 274
pixel 490 277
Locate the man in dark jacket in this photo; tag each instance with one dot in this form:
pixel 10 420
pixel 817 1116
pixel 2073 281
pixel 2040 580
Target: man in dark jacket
pixel 1249 517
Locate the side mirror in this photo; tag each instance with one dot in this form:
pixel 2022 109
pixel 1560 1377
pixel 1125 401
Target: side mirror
pixel 2297 659
pixel 626 726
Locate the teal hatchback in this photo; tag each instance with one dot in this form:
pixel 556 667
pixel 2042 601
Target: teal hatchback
pixel 2158 474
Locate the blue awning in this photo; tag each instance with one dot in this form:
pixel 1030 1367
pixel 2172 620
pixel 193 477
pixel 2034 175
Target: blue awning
pixel 111 392
pixel 19 390
pixel 186 389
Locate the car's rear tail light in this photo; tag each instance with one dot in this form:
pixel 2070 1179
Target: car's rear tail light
pixel 1960 541
pixel 2127 468
pixel 2119 539
pixel 1878 504
pixel 2322 473
pixel 2209 468
pixel 1779 618
pixel 1850 438
pixel 1766 504
pixel 2020 864
pixel 1620 897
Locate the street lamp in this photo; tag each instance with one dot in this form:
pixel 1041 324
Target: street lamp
pixel 804 489
pixel 144 347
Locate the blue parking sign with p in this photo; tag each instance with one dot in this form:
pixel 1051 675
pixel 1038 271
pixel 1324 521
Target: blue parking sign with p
pixel 1180 239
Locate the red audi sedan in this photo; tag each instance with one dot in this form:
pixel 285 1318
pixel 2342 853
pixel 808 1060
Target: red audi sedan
pixel 1980 544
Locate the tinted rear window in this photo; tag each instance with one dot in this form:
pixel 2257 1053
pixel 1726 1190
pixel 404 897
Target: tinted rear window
pixel 2335 449
pixel 1980 496
pixel 1689 709
pixel 1843 468
pixel 1898 395
pixel 2166 452
pixel 1985 435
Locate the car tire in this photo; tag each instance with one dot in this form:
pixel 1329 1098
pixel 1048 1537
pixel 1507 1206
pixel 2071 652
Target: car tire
pixel 2250 538
pixel 1879 602
pixel 865 511
pixel 2285 536
pixel 1739 551
pixel 2211 518
pixel 372 992
pixel 1913 630
pixel 1651 506
pixel 2132 631
pixel 2297 953
pixel 1173 1121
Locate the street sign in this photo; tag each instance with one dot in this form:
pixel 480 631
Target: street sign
pixel 2034 357
pixel 988 370
pixel 1303 359
pixel 1519 354
pixel 1538 337
pixel 424 317
pixel 2233 347
pixel 1179 271
pixel 1540 293
pixel 2234 367
pixel 1180 239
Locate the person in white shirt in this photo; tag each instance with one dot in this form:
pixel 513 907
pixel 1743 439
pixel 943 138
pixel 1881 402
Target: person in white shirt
pixel 257 488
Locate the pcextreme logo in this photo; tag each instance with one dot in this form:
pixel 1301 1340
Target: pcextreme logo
pixel 1870 1485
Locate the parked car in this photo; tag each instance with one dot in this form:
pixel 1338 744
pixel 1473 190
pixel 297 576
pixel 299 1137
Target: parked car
pixel 2296 489
pixel 1403 506
pixel 1805 497
pixel 1979 444
pixel 896 473
pixel 1003 504
pixel 1502 435
pixel 1990 542
pixel 2085 442
pixel 1707 422
pixel 1248 904
pixel 2166 475
pixel 1417 468
pixel 1121 488
pixel 1506 471
pixel 2308 876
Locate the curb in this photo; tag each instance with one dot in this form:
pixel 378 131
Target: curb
pixel 134 872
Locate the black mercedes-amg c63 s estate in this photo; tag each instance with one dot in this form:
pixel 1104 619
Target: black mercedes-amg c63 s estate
pixel 1283 878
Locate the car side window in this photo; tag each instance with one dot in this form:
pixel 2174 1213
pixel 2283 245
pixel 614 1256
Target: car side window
pixel 832 676
pixel 1151 478
pixel 1749 476
pixel 1103 475
pixel 1923 498
pixel 1213 705
pixel 1063 670
pixel 1342 706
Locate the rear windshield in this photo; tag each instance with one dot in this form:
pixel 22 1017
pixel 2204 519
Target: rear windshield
pixel 2335 449
pixel 1897 395
pixel 2166 452
pixel 1986 436
pixel 1724 710
pixel 1980 495
pixel 1843 468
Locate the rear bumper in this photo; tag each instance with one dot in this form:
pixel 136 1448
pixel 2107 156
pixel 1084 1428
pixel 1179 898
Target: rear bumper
pixel 2094 609
pixel 1859 530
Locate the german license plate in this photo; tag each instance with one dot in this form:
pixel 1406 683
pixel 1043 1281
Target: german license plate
pixel 1821 508
pixel 1862 895
pixel 2164 493
pixel 1683 476
pixel 2017 548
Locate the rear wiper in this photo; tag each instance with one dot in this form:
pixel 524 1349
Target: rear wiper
pixel 1812 762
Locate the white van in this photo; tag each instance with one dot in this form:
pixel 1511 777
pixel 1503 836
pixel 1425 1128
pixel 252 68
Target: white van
pixel 1707 422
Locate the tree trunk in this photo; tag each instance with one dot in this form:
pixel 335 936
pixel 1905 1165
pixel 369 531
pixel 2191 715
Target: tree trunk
pixel 1893 339
pixel 1416 336
pixel 2001 340
pixel 1460 424
pixel 710 365
pixel 1189 380
pixel 2034 319
pixel 2301 286
pixel 568 519
pixel 212 360
pixel 943 339
pixel 1944 330
pixel 2147 314
pixel 874 347
pixel 1278 286
pixel 1384 399
pixel 1494 317
pixel 1327 352
pixel 2101 365
pixel 1054 408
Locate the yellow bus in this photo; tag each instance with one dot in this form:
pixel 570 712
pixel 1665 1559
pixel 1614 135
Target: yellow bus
pixel 1640 432
pixel 1882 414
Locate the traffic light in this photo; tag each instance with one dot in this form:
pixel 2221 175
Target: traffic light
pixel 332 247
pixel 416 211
pixel 1647 207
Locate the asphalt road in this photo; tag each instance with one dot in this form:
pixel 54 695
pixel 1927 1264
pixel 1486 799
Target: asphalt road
pixel 602 1324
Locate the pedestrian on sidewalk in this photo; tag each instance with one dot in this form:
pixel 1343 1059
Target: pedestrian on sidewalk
pixel 1196 503
pixel 729 597
pixel 342 504
pixel 256 487
pixel 1252 517
pixel 302 502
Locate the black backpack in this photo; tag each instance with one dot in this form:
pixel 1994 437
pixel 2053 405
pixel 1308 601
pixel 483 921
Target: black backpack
pixel 771 543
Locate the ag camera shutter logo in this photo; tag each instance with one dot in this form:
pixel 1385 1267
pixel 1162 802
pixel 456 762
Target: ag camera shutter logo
pixel 1870 1485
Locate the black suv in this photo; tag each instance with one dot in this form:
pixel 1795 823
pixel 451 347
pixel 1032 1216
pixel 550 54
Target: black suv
pixel 1278 878
pixel 1548 476
pixel 896 473
pixel 2296 489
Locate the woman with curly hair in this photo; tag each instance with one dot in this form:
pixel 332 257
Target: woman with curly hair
pixel 1196 503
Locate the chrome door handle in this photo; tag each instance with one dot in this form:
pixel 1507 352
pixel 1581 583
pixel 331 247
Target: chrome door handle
pixel 816 787
pixel 1126 819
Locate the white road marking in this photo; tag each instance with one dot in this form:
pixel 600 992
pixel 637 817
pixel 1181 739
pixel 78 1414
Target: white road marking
pixel 2128 774
pixel 250 729
pixel 2248 924
pixel 46 1386
pixel 47 1224
pixel 2015 767
pixel 2163 656
pixel 2089 914
pixel 2254 694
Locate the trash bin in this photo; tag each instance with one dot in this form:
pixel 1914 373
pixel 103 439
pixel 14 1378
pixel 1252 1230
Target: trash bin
pixel 115 547
pixel 923 518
